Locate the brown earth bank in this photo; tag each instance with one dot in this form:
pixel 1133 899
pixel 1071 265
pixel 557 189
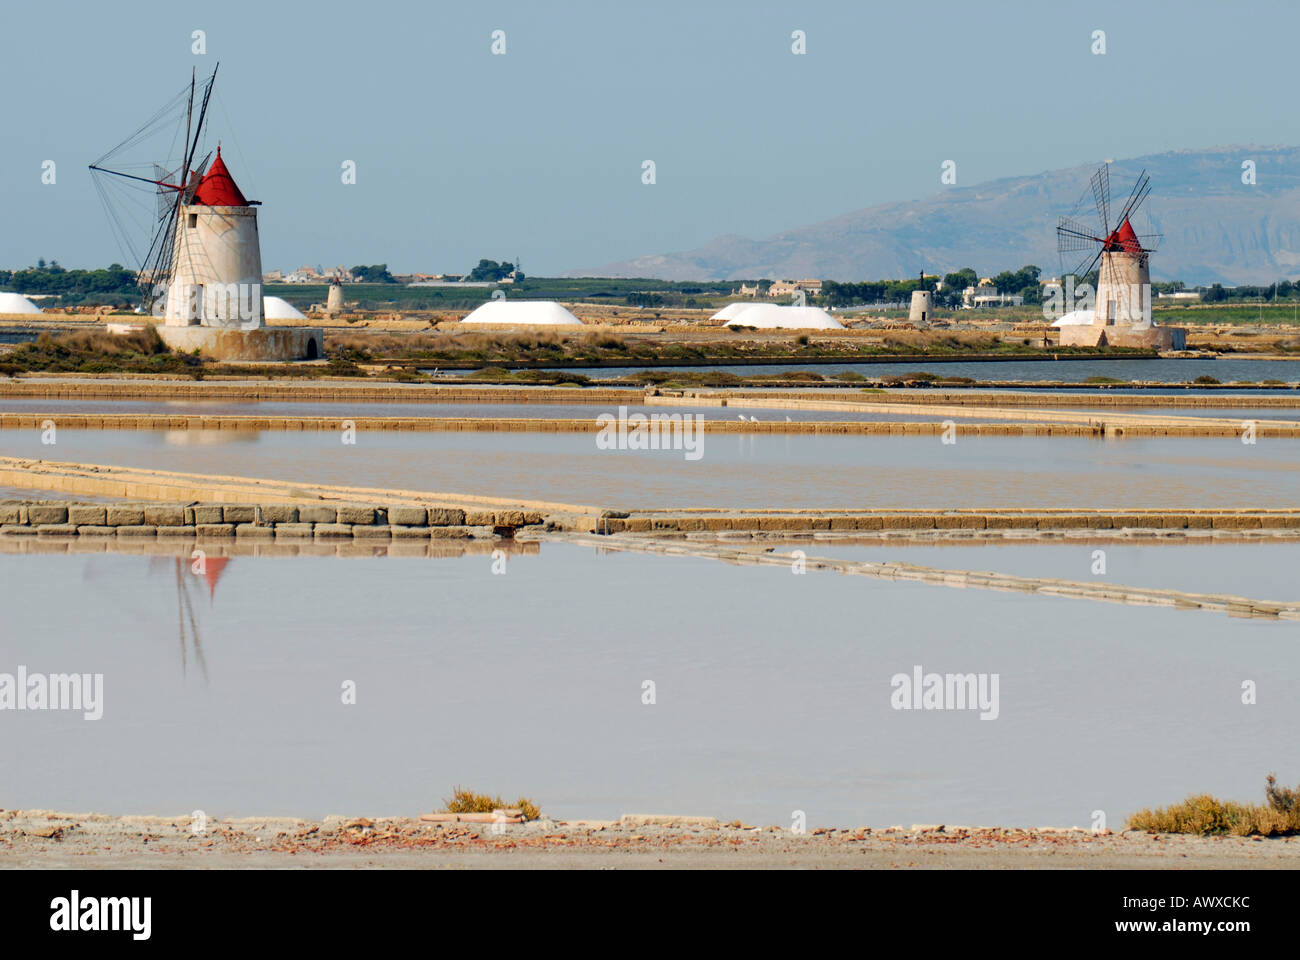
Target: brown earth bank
pixel 39 839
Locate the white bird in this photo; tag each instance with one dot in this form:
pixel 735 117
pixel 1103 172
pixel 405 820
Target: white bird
pixel 740 417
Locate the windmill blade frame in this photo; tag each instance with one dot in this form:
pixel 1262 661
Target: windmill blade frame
pixel 1100 183
pixel 172 187
pixel 1141 189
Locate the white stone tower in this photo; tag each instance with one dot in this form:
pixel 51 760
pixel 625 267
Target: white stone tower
pixel 334 300
pixel 217 267
pixel 922 311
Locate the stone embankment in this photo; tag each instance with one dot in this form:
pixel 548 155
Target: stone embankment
pixel 188 489
pixel 253 521
pixel 385 519
pixel 793 521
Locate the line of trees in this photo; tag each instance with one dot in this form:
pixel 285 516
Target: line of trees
pixel 1282 290
pixel 50 278
pixel 491 271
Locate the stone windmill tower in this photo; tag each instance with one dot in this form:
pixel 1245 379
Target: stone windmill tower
pixel 1121 257
pixel 217 262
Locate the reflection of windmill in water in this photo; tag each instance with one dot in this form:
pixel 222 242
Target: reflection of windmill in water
pixel 210 569
pixel 1122 259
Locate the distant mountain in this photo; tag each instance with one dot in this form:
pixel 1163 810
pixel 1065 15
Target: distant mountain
pixel 1215 228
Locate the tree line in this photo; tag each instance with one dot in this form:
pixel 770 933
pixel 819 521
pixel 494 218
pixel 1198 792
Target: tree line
pixel 71 285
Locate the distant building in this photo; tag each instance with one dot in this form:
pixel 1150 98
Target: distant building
pixel 788 288
pixel 303 275
pixel 986 295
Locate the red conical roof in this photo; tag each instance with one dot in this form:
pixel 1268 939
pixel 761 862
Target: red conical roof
pixel 217 188
pixel 1124 239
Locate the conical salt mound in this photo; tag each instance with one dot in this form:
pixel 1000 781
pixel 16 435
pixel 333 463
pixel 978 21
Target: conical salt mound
pixel 770 316
pixel 509 313
pixel 731 310
pixel 16 303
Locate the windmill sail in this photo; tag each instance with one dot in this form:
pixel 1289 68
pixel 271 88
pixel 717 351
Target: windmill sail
pixel 156 162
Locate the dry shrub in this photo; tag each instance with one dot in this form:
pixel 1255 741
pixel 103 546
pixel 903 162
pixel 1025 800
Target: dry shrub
pixel 394 345
pixel 467 801
pixel 146 341
pixel 1205 815
pixel 604 341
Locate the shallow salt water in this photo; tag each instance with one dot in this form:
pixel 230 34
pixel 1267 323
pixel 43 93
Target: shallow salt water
pixel 772 692
pixel 751 471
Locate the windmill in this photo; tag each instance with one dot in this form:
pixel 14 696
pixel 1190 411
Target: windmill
pixel 1113 248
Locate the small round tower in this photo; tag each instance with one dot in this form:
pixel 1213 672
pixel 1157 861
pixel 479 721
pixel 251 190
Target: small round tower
pixel 922 311
pixel 334 301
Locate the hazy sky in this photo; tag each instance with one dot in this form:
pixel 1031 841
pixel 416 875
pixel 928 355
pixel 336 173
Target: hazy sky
pixel 538 153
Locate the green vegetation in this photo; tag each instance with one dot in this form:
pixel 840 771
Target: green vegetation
pixel 467 801
pixel 394 296
pixel 492 271
pixel 375 273
pixel 1223 313
pixel 114 286
pixel 1207 816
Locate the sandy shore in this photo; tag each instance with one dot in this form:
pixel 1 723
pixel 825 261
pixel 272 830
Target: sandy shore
pixel 44 839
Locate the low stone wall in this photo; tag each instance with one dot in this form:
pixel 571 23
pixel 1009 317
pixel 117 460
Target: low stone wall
pixel 339 547
pixel 884 520
pixel 64 518
pixel 380 521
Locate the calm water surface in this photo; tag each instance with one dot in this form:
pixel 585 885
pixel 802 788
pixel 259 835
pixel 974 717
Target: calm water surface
pixel 752 471
pixel 772 692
